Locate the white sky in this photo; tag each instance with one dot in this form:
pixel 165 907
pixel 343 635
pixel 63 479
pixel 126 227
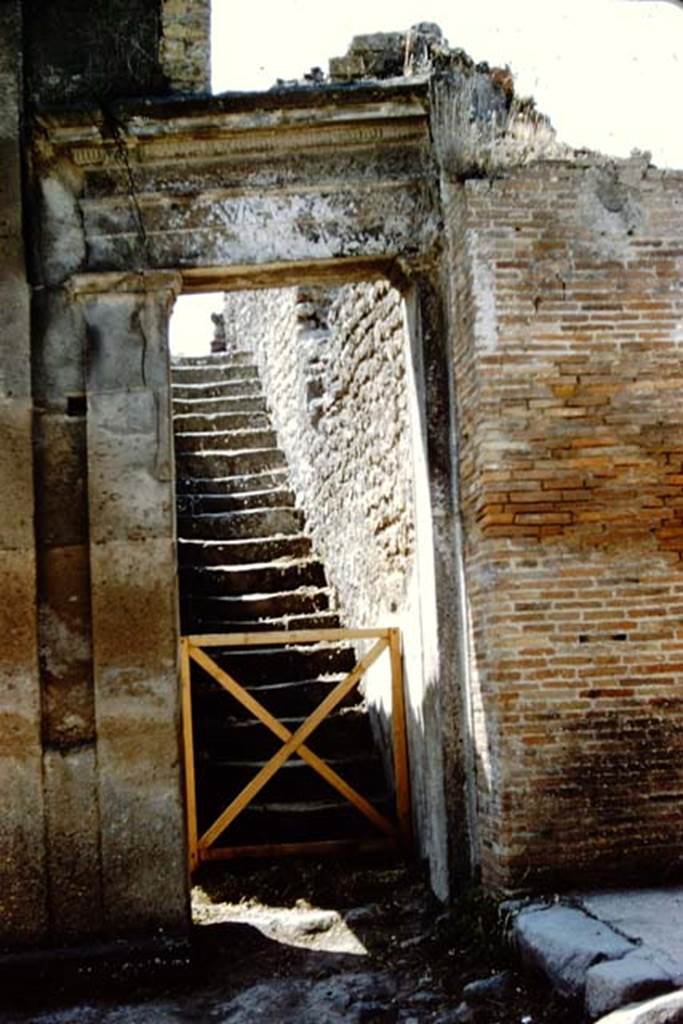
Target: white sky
pixel 607 72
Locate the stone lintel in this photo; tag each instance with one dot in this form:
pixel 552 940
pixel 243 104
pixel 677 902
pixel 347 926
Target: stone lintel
pixel 87 286
pixel 328 273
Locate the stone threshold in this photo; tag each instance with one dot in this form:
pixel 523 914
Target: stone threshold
pixel 604 949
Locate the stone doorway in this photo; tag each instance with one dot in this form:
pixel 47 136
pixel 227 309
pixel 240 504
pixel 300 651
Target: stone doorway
pixel 341 388
pixel 205 195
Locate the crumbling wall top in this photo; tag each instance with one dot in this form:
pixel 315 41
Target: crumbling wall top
pixel 481 126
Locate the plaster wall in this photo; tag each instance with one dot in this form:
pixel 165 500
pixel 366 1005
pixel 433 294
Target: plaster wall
pixel 134 611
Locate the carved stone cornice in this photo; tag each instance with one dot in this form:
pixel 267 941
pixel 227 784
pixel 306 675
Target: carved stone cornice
pixel 251 126
pixel 307 176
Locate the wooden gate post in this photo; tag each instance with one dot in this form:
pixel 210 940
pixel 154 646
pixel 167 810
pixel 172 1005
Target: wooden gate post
pixel 188 743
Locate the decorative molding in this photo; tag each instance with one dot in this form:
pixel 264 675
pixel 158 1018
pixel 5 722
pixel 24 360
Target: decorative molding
pixel 257 142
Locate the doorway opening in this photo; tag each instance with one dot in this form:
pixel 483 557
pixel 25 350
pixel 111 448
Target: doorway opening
pixel 295 521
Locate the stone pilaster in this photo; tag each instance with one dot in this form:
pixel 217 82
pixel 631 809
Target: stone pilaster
pixel 134 604
pixel 65 643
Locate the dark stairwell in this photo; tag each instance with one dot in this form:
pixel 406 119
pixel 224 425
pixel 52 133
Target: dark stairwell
pixel 246 565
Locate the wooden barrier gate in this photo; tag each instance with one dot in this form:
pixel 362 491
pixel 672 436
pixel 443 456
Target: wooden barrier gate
pixel 201 848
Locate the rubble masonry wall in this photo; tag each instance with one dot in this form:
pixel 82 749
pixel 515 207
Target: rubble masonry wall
pixel 333 370
pixel 336 373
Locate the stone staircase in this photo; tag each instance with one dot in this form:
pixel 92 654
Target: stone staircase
pixel 246 565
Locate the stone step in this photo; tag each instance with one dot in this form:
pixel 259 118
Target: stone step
pixel 232 405
pixel 280 698
pixel 264 578
pixel 256 666
pixel 218 422
pixel 196 504
pixel 303 601
pixel 213 373
pixel 202 553
pixel 239 388
pixel 240 356
pixel 319 620
pixel 247 523
pixel 225 779
pixel 224 440
pixel 221 463
pixel 292 822
pixel 246 567
pixel 234 485
pixel 343 732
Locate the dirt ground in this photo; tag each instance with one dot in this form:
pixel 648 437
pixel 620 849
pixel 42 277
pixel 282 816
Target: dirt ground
pixel 313 942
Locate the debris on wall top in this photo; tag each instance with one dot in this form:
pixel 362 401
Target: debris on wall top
pixel 484 125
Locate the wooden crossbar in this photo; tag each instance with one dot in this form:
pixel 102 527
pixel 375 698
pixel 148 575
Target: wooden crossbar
pixel 201 848
pixel 291 636
pixel 283 733
pixel 323 848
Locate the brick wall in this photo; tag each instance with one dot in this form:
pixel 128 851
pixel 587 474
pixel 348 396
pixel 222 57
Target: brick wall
pixel 568 305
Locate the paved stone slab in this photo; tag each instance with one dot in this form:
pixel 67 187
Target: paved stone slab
pixel 614 983
pixel 653 917
pixel 666 1009
pixel 564 942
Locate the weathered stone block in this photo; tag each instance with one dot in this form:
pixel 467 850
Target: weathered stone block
pixel 564 943
pixel 64 247
pixel 15 373
pixel 73 843
pixel 61 476
pixel 129 471
pixel 666 1009
pixel 137 702
pixel 616 982
pixel 126 342
pixel 134 611
pixel 59 350
pixel 65 646
pixel 15 367
pixel 23 889
pixel 23 916
pixel 16 477
pixel 10 69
